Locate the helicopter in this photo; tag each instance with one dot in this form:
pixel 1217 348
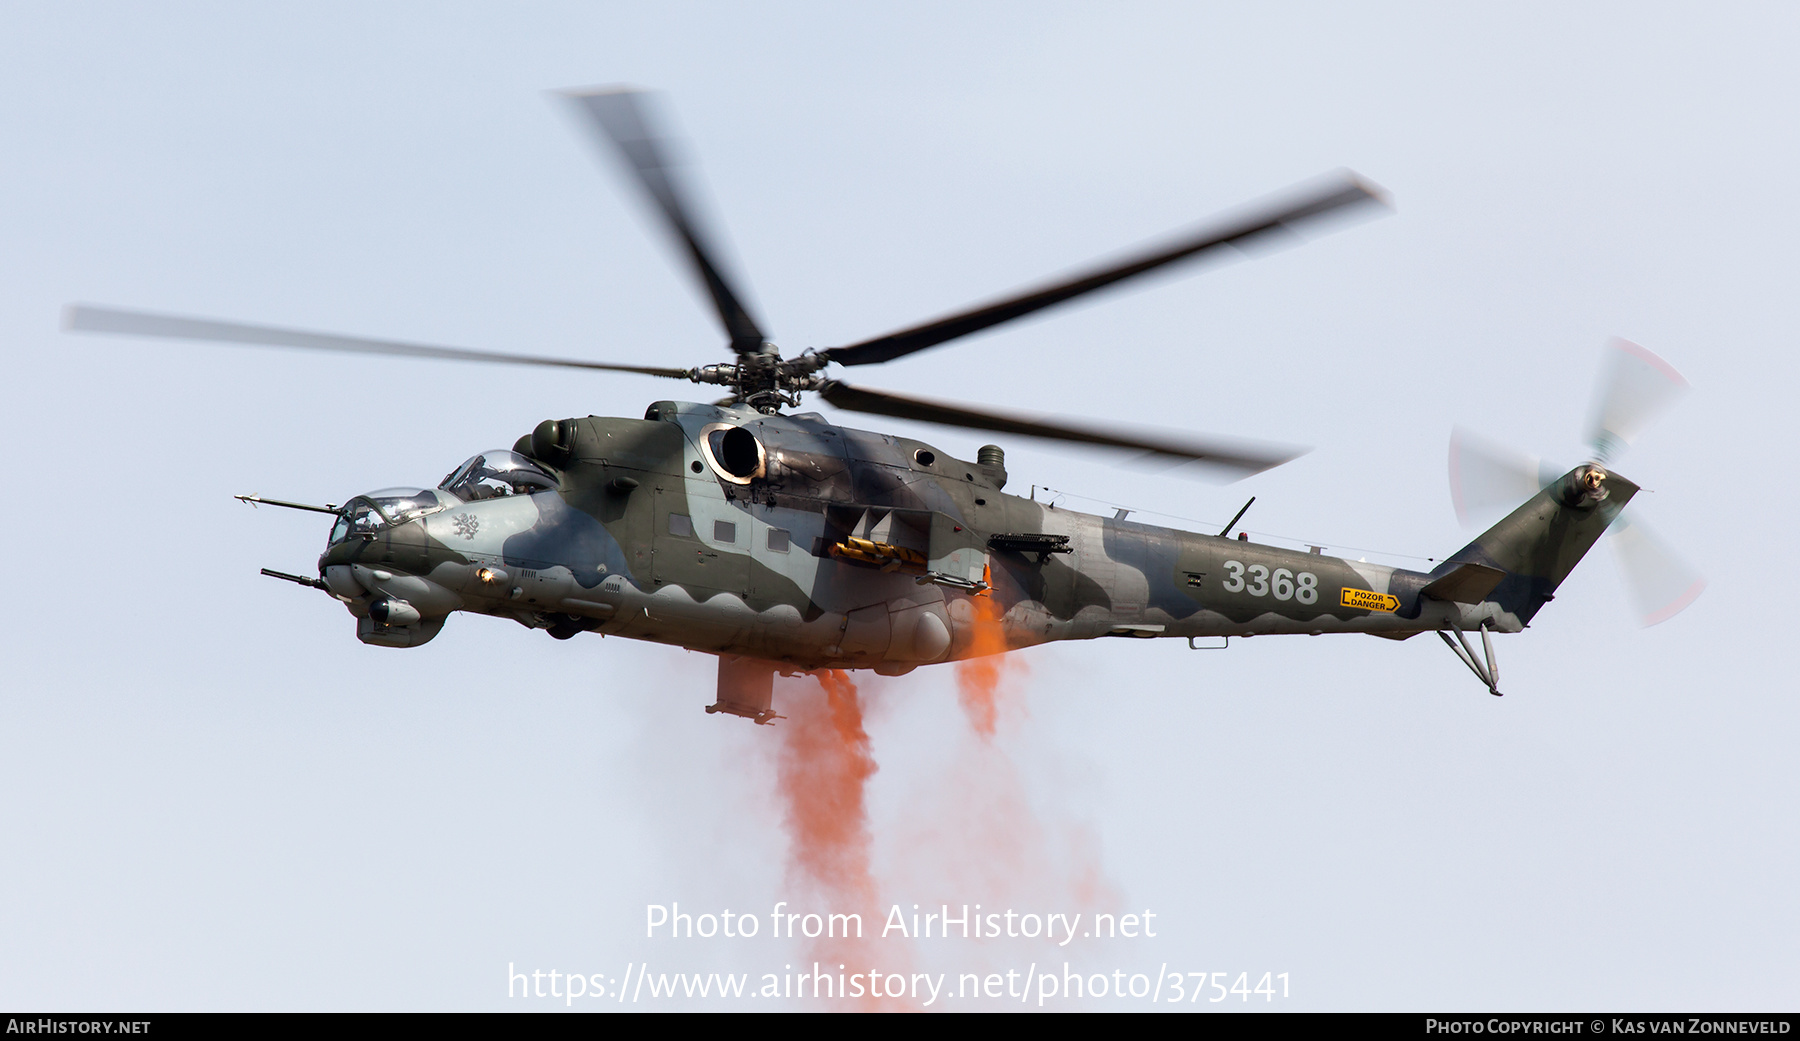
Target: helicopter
pixel 785 543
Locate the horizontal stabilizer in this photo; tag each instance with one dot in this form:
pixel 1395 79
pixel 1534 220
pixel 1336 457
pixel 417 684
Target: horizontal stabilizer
pixel 1468 584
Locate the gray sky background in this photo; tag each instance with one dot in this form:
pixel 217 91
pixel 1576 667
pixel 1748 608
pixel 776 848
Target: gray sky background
pixel 214 797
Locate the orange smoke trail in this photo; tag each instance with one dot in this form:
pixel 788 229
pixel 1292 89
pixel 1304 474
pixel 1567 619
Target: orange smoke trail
pixel 825 763
pixel 978 677
pixel 822 774
pixel 1013 853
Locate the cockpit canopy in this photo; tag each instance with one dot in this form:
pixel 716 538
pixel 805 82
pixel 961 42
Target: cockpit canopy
pixel 403 504
pixel 494 474
pixel 489 475
pixel 366 514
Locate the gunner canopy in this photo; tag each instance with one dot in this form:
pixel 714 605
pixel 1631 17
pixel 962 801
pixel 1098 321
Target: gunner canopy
pixel 366 514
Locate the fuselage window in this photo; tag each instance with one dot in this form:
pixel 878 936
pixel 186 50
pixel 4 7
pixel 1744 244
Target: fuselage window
pixel 778 540
pixel 724 531
pixel 680 524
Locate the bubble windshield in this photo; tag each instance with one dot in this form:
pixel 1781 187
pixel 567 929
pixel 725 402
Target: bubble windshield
pixel 358 518
pixel 494 474
pixel 399 505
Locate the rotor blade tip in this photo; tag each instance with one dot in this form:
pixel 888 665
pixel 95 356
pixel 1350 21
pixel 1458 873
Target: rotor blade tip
pixel 578 93
pixel 1229 472
pixel 1650 358
pixel 1377 194
pixel 1676 606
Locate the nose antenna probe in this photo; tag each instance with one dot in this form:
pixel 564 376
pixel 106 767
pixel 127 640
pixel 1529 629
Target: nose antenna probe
pixel 257 500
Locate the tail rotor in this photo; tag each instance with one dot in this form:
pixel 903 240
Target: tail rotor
pixel 1635 388
pixel 1661 584
pixel 1487 478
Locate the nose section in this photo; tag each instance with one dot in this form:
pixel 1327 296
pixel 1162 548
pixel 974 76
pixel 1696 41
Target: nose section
pixel 398 547
pixel 340 580
pixel 378 562
pixel 381 578
pixel 392 609
pixel 368 586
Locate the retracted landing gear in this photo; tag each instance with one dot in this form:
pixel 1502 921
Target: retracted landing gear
pixel 1488 675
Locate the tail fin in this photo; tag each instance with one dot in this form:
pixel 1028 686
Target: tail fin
pixel 1538 544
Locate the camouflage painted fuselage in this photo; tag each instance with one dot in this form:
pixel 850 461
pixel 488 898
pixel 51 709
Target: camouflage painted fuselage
pixel 811 545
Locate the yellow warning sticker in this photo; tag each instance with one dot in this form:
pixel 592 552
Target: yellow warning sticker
pixel 1369 600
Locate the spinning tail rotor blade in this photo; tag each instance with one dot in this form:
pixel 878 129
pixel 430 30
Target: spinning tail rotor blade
pixel 619 116
pixel 1487 480
pixel 1240 458
pixel 1263 224
pixel 87 319
pixel 1635 387
pixel 1662 585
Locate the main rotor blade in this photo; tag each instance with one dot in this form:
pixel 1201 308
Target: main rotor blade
pixel 87 319
pixel 1265 220
pixel 618 116
pixel 1243 457
pixel 1635 387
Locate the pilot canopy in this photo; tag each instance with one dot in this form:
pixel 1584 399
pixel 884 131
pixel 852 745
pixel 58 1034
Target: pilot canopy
pixel 491 475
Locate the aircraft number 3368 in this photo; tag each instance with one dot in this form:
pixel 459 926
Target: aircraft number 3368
pixel 1283 584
